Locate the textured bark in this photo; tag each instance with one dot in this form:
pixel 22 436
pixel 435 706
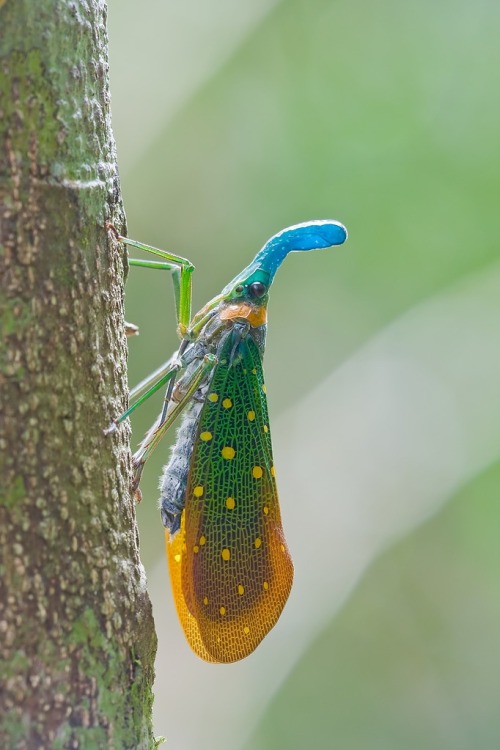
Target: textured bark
pixel 76 633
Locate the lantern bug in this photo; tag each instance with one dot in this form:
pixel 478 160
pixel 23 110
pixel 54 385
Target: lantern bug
pixel 230 568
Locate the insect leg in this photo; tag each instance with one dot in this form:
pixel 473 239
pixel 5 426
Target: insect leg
pixel 181 269
pixel 146 382
pixel 150 385
pixel 165 419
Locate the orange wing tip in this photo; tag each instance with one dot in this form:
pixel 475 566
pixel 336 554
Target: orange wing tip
pixel 228 639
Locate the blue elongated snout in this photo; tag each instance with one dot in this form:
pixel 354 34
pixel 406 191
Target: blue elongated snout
pixel 310 235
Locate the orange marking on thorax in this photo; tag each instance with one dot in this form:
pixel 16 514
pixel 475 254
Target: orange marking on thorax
pixel 256 316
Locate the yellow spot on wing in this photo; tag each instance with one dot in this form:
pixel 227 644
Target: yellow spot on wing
pixel 205 600
pixel 226 554
pixel 265 428
pixel 258 543
pixel 246 630
pixel 202 541
pixel 198 491
pixel 222 610
pixel 228 452
pixel 227 403
pixel 241 590
pixel 257 472
pixel 230 503
pixel 206 436
pixel 251 416
pixel 213 397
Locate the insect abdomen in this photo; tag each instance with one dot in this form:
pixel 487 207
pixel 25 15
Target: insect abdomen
pixel 175 474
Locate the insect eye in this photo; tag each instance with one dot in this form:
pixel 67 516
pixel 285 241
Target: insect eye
pixel 257 289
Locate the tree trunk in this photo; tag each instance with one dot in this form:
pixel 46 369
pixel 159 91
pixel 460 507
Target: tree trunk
pixel 76 632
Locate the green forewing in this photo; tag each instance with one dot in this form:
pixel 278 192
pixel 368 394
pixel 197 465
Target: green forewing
pixel 232 571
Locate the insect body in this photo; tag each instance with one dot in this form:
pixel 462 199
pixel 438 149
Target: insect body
pixel 229 563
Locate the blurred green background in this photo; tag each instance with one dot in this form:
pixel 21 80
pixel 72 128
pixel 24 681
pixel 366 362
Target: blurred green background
pixel 234 120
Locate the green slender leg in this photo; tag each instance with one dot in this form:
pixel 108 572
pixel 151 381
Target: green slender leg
pixel 150 379
pixel 181 269
pixel 164 421
pixel 162 375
